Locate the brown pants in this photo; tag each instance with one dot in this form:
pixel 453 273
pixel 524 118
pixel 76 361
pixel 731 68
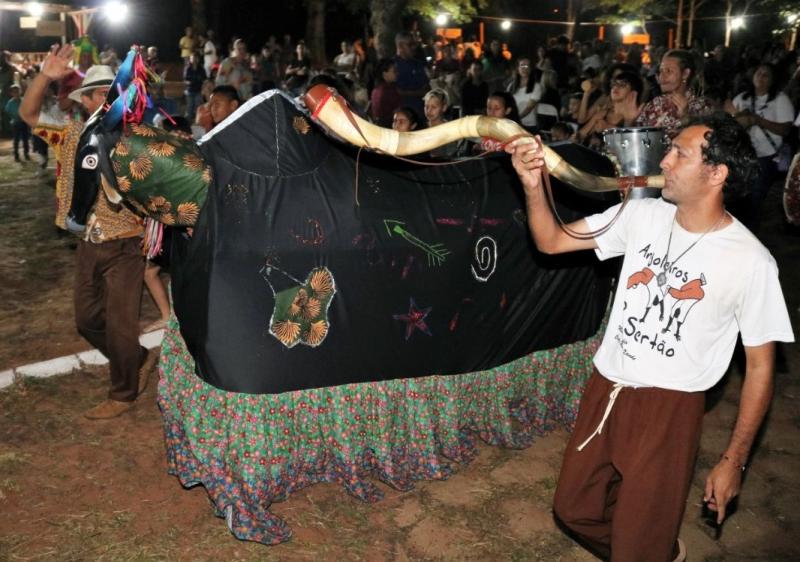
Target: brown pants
pixel 108 292
pixel 624 494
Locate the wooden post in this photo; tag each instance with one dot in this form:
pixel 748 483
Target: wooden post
pixel 481 34
pixel 601 32
pixel 671 38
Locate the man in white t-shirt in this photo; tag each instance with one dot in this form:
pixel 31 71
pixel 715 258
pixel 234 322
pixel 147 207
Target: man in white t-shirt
pixel 210 56
pixel 345 62
pixel 692 279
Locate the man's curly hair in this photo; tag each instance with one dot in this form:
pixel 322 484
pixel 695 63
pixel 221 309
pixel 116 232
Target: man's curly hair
pixel 729 143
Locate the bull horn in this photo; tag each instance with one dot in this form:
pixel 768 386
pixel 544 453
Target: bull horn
pixel 338 118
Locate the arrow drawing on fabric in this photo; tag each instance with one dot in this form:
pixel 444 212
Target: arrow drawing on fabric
pixel 436 252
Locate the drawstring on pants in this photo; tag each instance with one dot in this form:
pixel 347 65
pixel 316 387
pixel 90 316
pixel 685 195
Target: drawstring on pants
pixel 611 399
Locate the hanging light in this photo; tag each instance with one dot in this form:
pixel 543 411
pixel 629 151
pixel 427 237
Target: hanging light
pixel 506 25
pixel 627 29
pixel 737 22
pixel 441 19
pixel 115 12
pixel 35 9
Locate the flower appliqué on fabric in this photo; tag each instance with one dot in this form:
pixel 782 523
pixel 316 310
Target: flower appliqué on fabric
pixel 301 125
pixel 301 312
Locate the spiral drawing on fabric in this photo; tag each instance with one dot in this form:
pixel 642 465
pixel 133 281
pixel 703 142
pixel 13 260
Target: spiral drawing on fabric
pixel 485 259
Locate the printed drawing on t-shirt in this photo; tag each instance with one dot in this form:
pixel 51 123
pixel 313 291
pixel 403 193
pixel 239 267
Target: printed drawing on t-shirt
pixel 685 298
pixel 658 300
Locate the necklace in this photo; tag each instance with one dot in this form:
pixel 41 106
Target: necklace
pixel 661 278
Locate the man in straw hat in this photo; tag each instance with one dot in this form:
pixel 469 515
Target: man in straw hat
pixel 629 463
pixel 110 265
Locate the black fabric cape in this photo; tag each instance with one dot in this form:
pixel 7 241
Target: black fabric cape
pixel 434 268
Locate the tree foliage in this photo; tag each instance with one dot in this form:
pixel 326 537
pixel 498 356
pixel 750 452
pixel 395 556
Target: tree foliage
pixel 459 11
pixel 621 11
pixel 784 9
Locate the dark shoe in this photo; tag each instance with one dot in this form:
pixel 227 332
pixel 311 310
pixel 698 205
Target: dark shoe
pixel 108 409
pixel 148 366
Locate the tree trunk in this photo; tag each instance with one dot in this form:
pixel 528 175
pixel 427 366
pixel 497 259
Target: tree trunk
pixel 315 32
pixel 728 23
pixel 573 9
pixel 386 22
pixel 690 32
pixel 199 23
pixel 679 26
pixel 694 5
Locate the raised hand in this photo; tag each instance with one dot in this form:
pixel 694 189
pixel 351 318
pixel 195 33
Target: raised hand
pixel 56 64
pixel 680 101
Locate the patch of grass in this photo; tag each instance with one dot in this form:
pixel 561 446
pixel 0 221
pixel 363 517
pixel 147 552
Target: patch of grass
pixel 8 485
pixel 95 535
pixel 10 461
pixel 13 172
pixel 9 543
pixel 549 483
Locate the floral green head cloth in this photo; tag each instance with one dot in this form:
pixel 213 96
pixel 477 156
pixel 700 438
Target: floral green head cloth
pixel 161 174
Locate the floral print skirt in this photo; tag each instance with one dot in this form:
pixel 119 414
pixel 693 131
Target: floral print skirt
pixel 251 450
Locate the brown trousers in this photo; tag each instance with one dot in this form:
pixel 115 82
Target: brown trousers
pixel 108 293
pixel 624 494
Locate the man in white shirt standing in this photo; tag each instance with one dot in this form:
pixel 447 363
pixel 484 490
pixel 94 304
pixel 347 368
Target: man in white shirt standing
pixel 210 56
pixel 628 466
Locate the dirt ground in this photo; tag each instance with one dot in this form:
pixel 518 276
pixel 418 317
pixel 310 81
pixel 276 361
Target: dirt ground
pixel 71 489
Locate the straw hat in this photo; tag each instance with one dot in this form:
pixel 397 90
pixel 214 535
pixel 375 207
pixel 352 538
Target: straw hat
pixel 98 76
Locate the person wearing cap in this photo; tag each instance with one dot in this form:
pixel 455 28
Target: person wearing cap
pixel 110 265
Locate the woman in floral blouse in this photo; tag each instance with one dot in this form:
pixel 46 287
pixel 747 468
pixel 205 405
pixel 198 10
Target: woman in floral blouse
pixel 677 103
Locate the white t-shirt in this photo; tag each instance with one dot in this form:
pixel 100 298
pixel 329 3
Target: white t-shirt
pixel 592 61
pixel 345 62
pixel 209 56
pixel 52 116
pixel 523 98
pixel 681 335
pixel 779 110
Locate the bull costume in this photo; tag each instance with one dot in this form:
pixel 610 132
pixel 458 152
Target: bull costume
pixel 341 317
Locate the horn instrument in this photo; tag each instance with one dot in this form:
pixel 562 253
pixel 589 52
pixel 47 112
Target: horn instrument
pixel 331 110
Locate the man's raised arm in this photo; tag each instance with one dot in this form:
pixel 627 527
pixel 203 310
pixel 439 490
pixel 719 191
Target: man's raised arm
pixel 550 238
pixel 55 67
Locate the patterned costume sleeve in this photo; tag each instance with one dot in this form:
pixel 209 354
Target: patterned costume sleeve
pixel 61 133
pixel 51 127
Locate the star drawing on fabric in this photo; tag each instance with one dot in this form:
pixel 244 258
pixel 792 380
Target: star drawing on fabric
pixel 414 319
